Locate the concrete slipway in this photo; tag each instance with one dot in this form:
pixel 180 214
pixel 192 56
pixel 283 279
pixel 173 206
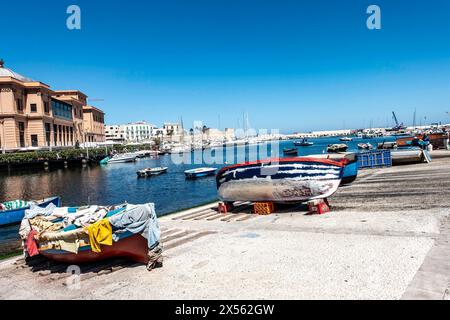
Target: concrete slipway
pixel 388 237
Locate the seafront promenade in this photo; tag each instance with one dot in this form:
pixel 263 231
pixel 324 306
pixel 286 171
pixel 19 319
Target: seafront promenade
pixel 387 237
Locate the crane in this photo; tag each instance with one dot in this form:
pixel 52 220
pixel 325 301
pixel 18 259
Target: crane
pixel 398 126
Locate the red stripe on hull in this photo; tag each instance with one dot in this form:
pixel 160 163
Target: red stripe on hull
pixel 133 248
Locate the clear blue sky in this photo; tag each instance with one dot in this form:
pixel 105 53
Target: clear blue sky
pixel 293 65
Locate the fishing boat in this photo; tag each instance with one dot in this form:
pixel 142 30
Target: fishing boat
pixel 303 143
pixel 14 216
pixel 121 158
pixel 345 139
pixel 147 172
pixel 199 172
pixel 290 151
pixel 409 155
pixel 126 231
pixel 348 159
pixel 365 146
pixel 296 179
pixel 337 147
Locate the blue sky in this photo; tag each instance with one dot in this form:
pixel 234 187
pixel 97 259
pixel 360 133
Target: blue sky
pixel 292 65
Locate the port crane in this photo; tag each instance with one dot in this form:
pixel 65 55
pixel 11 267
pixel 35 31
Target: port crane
pixel 398 126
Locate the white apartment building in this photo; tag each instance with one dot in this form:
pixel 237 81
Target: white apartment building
pixel 131 132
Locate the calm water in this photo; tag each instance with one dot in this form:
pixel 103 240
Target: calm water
pixel 116 183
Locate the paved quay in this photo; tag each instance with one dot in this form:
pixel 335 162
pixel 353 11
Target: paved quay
pixel 387 237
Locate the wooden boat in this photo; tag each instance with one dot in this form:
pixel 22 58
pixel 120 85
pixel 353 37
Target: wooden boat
pixel 147 172
pixel 349 160
pixel 346 139
pixel 409 155
pixel 290 151
pixel 121 158
pixel 129 246
pixel 296 179
pixel 337 147
pixel 303 143
pixel 125 244
pixel 437 140
pixel 365 146
pixel 15 216
pixel 199 172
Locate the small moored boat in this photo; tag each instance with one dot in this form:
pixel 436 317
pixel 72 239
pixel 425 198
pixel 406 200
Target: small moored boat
pixel 121 158
pixel 12 212
pixel 199 172
pixel 337 147
pixel 303 143
pixel 346 139
pixel 280 180
pixel 147 172
pixel 290 151
pixel 365 146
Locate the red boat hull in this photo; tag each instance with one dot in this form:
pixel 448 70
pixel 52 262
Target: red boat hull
pixel 134 248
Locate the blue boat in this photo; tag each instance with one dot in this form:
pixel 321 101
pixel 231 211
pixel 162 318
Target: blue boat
pixel 15 216
pixel 199 172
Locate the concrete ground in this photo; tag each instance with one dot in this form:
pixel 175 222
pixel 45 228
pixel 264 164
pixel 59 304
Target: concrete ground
pixel 388 237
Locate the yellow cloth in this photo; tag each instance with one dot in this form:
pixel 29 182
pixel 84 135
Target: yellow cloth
pixel 100 233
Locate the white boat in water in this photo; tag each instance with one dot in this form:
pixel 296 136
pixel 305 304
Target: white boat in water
pixel 280 180
pixel 125 157
pixel 147 172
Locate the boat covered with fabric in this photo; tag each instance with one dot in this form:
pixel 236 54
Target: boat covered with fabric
pixel 348 159
pixel 365 146
pixel 296 179
pixel 147 172
pixel 12 212
pixel 199 172
pixel 87 234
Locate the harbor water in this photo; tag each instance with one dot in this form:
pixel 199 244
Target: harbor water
pixel 116 183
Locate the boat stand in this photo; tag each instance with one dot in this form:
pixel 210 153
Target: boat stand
pixel 319 206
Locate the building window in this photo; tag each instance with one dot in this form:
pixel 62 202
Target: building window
pixel 47 133
pixel 46 107
pixel 19 105
pixel 22 134
pixel 33 107
pixel 34 140
pixel 55 134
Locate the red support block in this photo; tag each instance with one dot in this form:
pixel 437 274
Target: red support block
pixel 319 206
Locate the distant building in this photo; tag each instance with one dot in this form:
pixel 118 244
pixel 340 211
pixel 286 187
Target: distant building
pixel 32 115
pixel 131 132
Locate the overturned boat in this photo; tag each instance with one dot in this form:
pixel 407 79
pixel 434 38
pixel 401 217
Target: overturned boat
pixel 409 155
pixel 348 159
pixel 93 233
pixel 280 180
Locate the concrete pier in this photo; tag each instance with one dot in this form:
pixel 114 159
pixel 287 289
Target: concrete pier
pixel 387 237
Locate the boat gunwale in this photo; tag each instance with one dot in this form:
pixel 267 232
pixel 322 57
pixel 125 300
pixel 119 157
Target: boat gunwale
pixel 280 160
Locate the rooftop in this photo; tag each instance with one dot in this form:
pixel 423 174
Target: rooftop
pixel 5 72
